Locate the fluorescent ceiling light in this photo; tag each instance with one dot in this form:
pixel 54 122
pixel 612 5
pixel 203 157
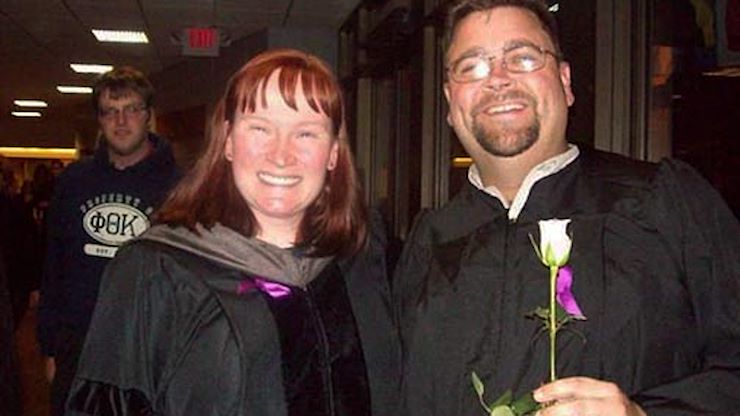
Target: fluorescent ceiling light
pixel 90 68
pixel 26 113
pixel 70 89
pixel 30 103
pixel 39 152
pixel 125 36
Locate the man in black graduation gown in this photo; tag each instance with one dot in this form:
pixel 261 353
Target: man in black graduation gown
pixel 654 254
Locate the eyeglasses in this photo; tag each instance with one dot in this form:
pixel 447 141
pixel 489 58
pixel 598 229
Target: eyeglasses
pixel 518 60
pixel 131 110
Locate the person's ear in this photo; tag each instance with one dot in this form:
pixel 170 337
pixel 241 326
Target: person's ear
pixel 333 156
pixel 229 144
pixel 446 88
pixel 564 69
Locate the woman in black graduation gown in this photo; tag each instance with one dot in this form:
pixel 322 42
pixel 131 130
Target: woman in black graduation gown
pixel 262 291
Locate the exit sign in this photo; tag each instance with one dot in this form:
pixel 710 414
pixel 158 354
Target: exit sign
pixel 201 41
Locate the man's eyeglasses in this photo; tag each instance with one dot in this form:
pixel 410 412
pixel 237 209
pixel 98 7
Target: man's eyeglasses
pixel 131 110
pixel 518 60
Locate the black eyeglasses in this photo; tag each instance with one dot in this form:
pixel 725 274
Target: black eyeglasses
pixel 111 113
pixel 518 59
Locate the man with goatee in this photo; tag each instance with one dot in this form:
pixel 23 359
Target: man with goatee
pixel 653 273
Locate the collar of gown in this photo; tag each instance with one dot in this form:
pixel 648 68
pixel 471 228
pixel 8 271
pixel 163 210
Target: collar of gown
pixel 548 167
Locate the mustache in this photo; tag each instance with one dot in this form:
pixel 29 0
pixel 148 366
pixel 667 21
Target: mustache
pixel 497 98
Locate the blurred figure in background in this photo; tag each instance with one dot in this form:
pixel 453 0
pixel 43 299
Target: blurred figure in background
pixel 41 191
pixel 20 243
pixel 10 403
pixel 97 205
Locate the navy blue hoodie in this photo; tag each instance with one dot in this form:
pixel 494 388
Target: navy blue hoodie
pixel 95 208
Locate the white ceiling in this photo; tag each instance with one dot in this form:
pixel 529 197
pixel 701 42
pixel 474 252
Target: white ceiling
pixel 40 38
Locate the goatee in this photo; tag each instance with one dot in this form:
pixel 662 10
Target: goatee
pixel 502 139
pixel 506 142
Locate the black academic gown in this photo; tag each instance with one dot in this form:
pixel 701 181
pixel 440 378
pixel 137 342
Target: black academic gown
pixel 183 327
pixel 656 272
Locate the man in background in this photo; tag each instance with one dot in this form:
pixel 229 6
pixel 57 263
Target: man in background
pixel 654 264
pixel 10 397
pixel 97 205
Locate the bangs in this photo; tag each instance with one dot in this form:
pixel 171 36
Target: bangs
pixel 317 83
pixel 120 90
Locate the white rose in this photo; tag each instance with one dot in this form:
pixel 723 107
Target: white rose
pixel 554 242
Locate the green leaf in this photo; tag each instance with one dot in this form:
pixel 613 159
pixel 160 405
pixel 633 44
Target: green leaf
pixel 561 314
pixel 548 256
pixel 479 389
pixel 502 411
pixel 542 313
pixel 536 248
pixel 525 404
pixel 504 400
pixel 477 384
pixel 539 313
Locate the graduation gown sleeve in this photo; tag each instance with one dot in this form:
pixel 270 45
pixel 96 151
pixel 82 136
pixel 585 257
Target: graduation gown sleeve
pixel 141 355
pixel 705 237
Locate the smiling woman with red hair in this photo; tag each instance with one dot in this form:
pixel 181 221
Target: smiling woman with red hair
pixel 261 291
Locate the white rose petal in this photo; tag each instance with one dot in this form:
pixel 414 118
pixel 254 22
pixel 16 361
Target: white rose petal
pixel 555 243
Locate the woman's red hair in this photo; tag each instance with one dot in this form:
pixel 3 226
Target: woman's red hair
pixel 335 223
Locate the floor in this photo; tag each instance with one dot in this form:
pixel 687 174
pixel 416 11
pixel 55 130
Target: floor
pixel 35 386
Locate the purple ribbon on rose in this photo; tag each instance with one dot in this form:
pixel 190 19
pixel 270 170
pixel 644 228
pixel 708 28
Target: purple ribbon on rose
pixel 563 292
